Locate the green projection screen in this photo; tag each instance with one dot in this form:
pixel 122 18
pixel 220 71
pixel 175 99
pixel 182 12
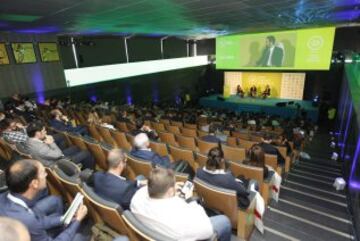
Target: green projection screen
pixel 307 49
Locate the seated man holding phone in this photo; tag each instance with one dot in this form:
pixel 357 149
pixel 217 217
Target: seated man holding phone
pixel 160 207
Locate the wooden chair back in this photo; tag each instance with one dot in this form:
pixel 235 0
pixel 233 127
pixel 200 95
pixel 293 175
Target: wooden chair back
pixel 246 144
pixel 121 126
pixel 186 142
pixel 106 135
pixel 200 159
pixel 159 148
pixel 188 132
pixel 225 201
pixel 235 154
pixel 140 167
pixel 183 154
pixel 109 212
pixel 77 141
pixel 158 126
pixel 121 140
pixel 173 129
pixel 204 146
pixel 95 133
pixel 98 153
pixel 232 141
pixel 190 126
pixel 271 160
pixel 168 138
pixel 177 123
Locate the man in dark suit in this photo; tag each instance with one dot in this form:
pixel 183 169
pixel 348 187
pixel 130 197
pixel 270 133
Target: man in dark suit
pixel 111 185
pixel 211 137
pixel 270 149
pixel 142 151
pixel 61 122
pixel 25 180
pixel 272 55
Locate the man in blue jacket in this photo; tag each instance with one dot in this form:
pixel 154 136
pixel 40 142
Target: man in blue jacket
pixel 142 151
pixel 25 179
pixel 111 185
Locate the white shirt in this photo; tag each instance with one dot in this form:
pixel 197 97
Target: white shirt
pixel 172 216
pixel 269 63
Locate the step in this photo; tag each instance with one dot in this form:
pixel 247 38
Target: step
pixel 303 229
pixel 314 215
pixel 314 203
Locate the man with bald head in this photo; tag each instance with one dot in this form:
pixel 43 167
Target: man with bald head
pixel 25 179
pixel 13 230
pixel 111 185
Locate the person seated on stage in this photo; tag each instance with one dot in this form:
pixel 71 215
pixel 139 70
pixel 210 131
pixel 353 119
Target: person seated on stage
pixel 111 185
pixel 42 147
pixel 253 91
pixel 162 208
pixel 239 91
pixel 61 122
pixel 266 93
pixel 271 149
pixel 26 179
pixel 214 173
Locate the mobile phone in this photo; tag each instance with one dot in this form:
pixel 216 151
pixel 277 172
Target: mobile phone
pixel 187 187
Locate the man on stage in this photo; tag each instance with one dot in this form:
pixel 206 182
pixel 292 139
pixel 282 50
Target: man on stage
pixel 253 91
pixel 266 92
pixel 239 91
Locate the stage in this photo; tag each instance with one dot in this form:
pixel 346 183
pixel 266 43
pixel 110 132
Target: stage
pixel 269 105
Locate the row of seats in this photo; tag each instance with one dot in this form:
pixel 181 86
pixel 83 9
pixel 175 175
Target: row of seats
pixel 64 180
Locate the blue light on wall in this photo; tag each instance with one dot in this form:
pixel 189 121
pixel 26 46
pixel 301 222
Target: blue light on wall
pixel 39 30
pixel 353 183
pixel 128 95
pixel 346 129
pixel 37 81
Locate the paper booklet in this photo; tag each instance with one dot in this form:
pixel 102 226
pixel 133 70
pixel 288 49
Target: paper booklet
pixel 68 216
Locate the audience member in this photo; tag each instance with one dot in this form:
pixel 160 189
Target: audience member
pixel 215 174
pixel 111 185
pixel 43 148
pixel 25 179
pixel 270 149
pixel 142 151
pixel 142 128
pixel 161 209
pixel 13 230
pixel 61 122
pixel 211 137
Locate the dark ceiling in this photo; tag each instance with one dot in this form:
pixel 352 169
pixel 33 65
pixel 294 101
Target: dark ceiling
pixel 192 18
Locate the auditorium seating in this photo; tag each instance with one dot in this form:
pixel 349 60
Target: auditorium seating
pixel 226 202
pixel 142 232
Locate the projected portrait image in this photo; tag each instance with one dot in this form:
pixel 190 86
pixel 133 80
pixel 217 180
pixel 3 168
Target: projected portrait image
pixel 23 53
pixel 272 50
pixel 49 52
pixel 4 59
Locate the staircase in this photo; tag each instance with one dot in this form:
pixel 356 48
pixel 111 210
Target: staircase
pixel 309 207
